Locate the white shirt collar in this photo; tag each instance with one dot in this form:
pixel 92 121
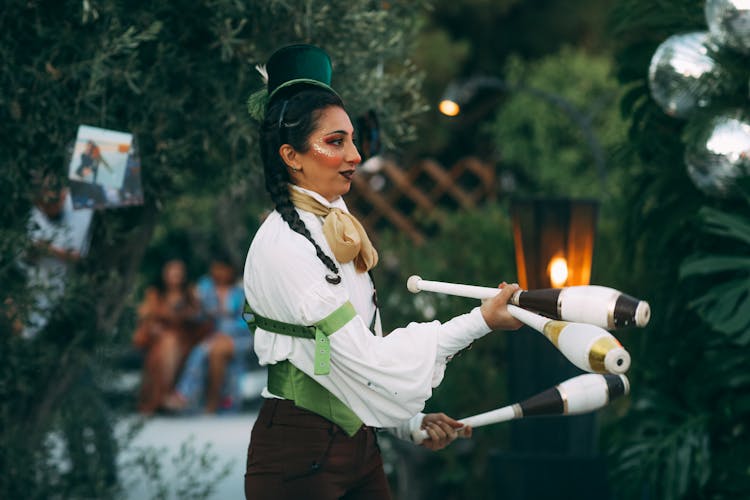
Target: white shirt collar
pixel 337 203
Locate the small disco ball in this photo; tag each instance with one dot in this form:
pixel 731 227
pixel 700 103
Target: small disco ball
pixel 729 23
pixel 720 155
pixel 683 75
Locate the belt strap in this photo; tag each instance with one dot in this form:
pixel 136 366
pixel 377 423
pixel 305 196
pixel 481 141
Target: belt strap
pixel 319 331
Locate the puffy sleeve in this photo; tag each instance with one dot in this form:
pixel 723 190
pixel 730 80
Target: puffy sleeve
pixel 384 380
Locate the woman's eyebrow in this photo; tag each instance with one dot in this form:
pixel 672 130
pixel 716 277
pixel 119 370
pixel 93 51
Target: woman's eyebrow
pixel 339 132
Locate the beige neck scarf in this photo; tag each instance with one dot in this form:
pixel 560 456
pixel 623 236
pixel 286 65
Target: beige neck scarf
pixel 343 232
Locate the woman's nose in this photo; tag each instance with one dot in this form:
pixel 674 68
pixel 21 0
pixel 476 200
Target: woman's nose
pixel 352 155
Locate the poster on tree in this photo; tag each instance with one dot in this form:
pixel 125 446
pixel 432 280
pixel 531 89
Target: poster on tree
pixel 104 169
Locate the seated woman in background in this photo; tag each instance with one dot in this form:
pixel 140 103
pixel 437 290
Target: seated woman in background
pixel 169 326
pixel 214 367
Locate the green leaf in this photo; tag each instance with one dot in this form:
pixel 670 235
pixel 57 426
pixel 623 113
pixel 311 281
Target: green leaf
pixel 726 306
pixel 714 264
pixel 724 224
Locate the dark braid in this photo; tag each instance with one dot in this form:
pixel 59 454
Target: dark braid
pixel 301 113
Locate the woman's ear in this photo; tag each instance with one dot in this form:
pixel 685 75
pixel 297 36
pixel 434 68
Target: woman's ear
pixel 289 156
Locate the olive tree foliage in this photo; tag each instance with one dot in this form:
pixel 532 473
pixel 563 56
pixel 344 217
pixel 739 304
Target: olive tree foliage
pixel 176 75
pixel 370 44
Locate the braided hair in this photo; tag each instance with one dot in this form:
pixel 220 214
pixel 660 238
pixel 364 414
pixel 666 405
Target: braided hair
pixel 291 119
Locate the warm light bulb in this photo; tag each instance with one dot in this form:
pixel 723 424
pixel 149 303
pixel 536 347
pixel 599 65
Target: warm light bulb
pixel 558 271
pixel 449 108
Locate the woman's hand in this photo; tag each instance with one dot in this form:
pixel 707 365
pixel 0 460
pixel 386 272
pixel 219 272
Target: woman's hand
pixel 495 310
pixel 442 430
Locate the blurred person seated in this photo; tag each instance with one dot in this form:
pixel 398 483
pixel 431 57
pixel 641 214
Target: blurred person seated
pixel 214 368
pixel 170 325
pixel 60 237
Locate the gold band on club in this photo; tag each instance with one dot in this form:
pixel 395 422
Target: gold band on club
pixel 552 330
pixel 598 352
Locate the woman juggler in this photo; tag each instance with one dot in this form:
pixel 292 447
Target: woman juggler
pixel 333 377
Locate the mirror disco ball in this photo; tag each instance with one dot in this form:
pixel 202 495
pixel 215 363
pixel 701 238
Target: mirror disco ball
pixel 729 23
pixel 720 156
pixel 683 75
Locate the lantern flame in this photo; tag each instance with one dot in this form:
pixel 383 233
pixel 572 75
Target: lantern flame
pixel 558 271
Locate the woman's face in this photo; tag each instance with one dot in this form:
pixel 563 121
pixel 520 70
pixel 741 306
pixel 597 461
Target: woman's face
pixel 222 273
pixel 329 163
pixel 174 274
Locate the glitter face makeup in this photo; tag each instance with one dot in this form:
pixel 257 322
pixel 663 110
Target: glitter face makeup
pixel 329 163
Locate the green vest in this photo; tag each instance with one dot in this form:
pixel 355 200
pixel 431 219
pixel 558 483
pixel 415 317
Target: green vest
pixel 289 382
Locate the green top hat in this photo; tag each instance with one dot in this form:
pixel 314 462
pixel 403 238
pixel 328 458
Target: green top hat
pixel 290 66
pixel 298 64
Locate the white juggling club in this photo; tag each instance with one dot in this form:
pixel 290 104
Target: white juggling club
pixel 581 394
pixel 589 347
pixel 597 305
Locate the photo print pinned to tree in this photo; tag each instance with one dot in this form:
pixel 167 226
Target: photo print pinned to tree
pixel 104 169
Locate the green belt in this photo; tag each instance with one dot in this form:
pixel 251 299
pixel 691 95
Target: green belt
pixel 289 382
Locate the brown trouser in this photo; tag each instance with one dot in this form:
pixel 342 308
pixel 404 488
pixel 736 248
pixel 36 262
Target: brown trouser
pixel 296 454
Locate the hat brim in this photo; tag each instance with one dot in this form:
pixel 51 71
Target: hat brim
pixel 286 86
pixel 298 65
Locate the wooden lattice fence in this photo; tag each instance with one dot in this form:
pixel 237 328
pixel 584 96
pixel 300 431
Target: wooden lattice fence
pixel 402 197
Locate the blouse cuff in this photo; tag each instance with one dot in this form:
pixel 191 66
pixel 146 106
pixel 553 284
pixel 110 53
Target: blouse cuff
pixel 408 427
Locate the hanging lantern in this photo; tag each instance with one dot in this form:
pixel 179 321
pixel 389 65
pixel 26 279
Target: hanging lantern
pixel 554 241
pixel 683 74
pixel 729 23
pixel 552 238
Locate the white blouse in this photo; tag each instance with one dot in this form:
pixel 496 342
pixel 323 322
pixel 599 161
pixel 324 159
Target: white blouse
pixel 384 380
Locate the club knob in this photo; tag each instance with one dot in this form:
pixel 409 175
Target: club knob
pixel 412 284
pixel 642 313
pixel 617 361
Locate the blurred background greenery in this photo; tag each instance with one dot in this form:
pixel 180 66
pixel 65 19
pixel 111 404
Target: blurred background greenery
pixel 176 75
